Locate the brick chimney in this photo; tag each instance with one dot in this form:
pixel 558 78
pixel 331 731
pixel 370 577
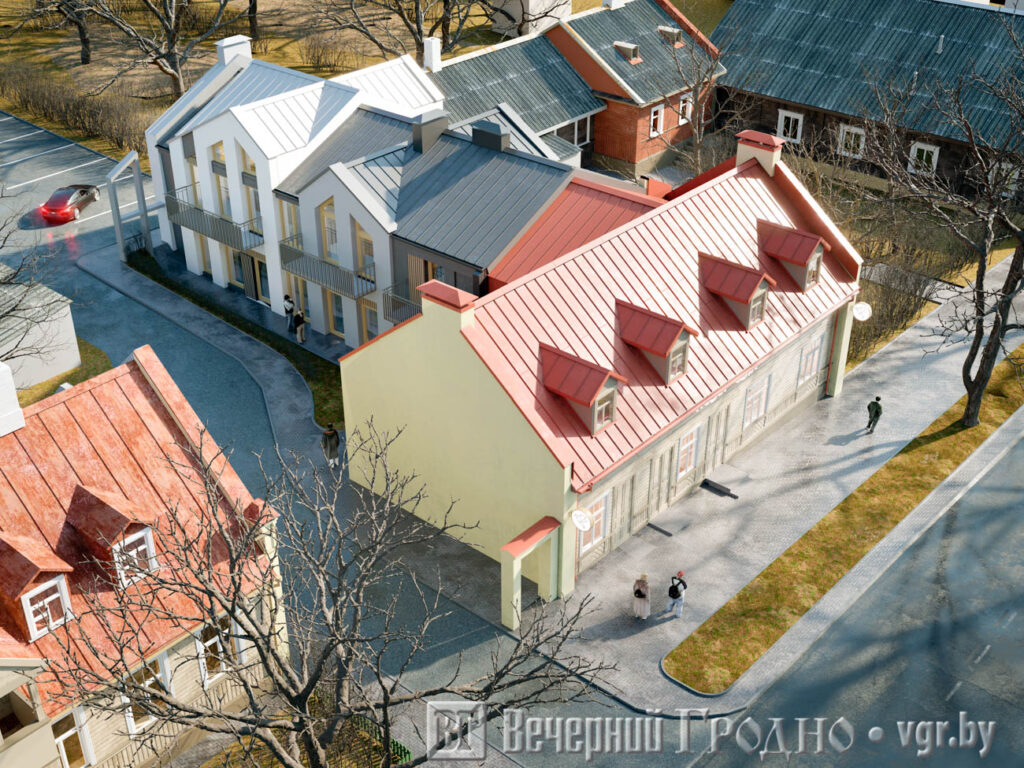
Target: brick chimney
pixel 11 417
pixel 232 47
pixel 767 149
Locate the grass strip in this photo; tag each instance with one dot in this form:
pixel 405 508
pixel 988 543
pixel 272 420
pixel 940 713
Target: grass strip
pixel 94 362
pixel 322 376
pixel 724 647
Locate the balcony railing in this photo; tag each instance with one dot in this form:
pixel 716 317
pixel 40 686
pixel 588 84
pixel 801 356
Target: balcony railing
pixel 340 280
pixel 185 209
pixel 398 306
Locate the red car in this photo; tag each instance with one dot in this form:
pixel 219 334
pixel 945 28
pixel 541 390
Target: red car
pixel 67 202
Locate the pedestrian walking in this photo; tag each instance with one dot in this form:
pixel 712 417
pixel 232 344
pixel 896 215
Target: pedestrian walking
pixel 329 443
pixel 641 598
pixel 874 413
pixel 289 312
pixel 676 595
pixel 300 327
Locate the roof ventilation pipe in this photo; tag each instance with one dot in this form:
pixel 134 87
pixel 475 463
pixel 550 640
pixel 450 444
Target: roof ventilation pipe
pixel 432 54
pixel 613 5
pixel 428 129
pixel 938 48
pixel 11 417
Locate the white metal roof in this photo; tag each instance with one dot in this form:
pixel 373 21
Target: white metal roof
pixel 398 84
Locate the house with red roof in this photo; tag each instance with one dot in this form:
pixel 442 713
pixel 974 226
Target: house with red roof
pixel 87 478
pixel 563 411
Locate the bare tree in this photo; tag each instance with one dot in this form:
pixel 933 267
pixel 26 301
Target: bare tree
pixel 357 618
pixel 56 14
pixel 978 206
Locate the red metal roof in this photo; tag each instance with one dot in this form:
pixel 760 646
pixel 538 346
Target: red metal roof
pixel 730 280
pixel 787 243
pixel 529 538
pixel 583 211
pixel 120 443
pixel 641 328
pixel 22 559
pixel 572 377
pixel 653 263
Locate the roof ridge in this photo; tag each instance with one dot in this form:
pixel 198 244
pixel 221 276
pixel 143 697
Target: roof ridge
pixel 490 49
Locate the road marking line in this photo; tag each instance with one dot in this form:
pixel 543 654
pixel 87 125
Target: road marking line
pixel 15 138
pixel 120 207
pixel 955 689
pixel 982 656
pixel 37 154
pixel 1012 617
pixel 9 117
pixel 58 173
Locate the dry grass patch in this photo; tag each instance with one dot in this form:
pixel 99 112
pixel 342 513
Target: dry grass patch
pixel 1003 249
pixel 724 646
pixel 94 362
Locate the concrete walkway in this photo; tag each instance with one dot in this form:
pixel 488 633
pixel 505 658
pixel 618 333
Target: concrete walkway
pixel 785 483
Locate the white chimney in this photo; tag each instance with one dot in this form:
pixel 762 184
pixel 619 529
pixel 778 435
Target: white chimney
pixel 767 149
pixel 11 417
pixel 231 47
pixel 938 48
pixel 432 54
pixel 613 5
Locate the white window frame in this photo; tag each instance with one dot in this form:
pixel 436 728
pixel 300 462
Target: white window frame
pixel 587 540
pixel 134 727
pixel 237 655
pixel 65 600
pixel 764 386
pixel 760 297
pixel 679 351
pixel 118 551
pixel 783 114
pixel 690 442
pixel 81 729
pixel 816 261
pixel 851 130
pixel 1012 177
pixel 609 397
pixel 657 122
pixel 685 107
pixel 922 145
pixel 811 352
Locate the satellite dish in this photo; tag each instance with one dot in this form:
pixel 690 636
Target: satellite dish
pixel 862 311
pixel 581 519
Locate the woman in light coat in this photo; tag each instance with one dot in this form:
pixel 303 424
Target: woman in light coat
pixel 641 598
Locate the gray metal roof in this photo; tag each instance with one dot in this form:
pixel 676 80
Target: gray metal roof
pixel 462 199
pixel 531 76
pixel 564 149
pixel 520 135
pixel 663 70
pixel 827 53
pixel 365 133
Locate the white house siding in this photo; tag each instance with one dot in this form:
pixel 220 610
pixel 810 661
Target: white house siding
pixel 647 484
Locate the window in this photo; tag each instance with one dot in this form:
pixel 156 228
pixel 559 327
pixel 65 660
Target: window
pixel 757 307
pixel 588 539
pixel 577 132
pixel 252 204
pixel 810 359
pixel 288 214
pixel 924 158
pixel 152 676
pixel 72 738
pixel 223 196
pixel 337 317
pixel 851 141
pixel 248 164
pixel 215 649
pixel 677 360
pixel 791 126
pixel 135 556
pixel 756 404
pixel 363 249
pixel 685 108
pixel 814 265
pixel 217 152
pixel 604 410
pixel 328 231
pixel 47 607
pixel 1008 175
pixel 687 452
pixel 657 120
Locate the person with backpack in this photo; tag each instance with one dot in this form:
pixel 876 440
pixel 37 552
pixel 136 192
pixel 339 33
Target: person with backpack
pixel 676 595
pixel 874 413
pixel 641 598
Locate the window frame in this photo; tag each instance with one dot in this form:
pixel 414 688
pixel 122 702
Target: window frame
pixel 657 117
pixel 682 350
pixel 763 386
pixel 118 551
pixel 65 600
pixel 813 277
pixel 694 436
pixel 759 299
pixel 163 678
pixel 325 231
pixel 686 108
pixel 605 398
pixel 597 524
pixel 846 130
pixel 81 730
pixel 813 350
pixel 781 124
pixel 234 656
pixel 912 166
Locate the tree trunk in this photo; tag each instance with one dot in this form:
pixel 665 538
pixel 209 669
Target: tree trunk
pixel 78 19
pixel 254 27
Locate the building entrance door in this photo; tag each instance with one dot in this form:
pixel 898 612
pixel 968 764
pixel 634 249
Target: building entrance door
pixel 641 491
pixel 247 265
pixel 717 433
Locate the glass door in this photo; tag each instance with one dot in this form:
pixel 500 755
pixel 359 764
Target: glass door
pixel 368 319
pixel 69 734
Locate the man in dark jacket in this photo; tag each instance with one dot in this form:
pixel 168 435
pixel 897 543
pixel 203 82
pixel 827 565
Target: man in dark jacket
pixel 676 595
pixel 329 443
pixel 874 413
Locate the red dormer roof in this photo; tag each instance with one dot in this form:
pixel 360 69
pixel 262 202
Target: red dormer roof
pixel 730 280
pixel 101 517
pixel 573 377
pixel 788 243
pixel 647 330
pixel 23 559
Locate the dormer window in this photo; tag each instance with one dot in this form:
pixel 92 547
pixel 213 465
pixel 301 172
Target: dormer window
pixel 47 607
pixel 135 556
pixel 743 289
pixel 663 340
pixel 800 252
pixel 589 389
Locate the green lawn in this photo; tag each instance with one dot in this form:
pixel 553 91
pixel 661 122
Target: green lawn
pixel 724 646
pixel 94 362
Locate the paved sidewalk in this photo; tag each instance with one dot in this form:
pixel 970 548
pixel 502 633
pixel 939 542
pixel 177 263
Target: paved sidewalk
pixel 785 482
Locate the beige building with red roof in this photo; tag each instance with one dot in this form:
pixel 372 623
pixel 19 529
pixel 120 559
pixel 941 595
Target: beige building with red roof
pixel 86 478
pixel 568 408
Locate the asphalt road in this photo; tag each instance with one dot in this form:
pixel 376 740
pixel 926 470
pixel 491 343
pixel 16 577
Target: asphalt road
pixel 941 633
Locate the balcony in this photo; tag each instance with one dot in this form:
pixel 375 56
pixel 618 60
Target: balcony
pixel 337 279
pixel 186 210
pixel 398 305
